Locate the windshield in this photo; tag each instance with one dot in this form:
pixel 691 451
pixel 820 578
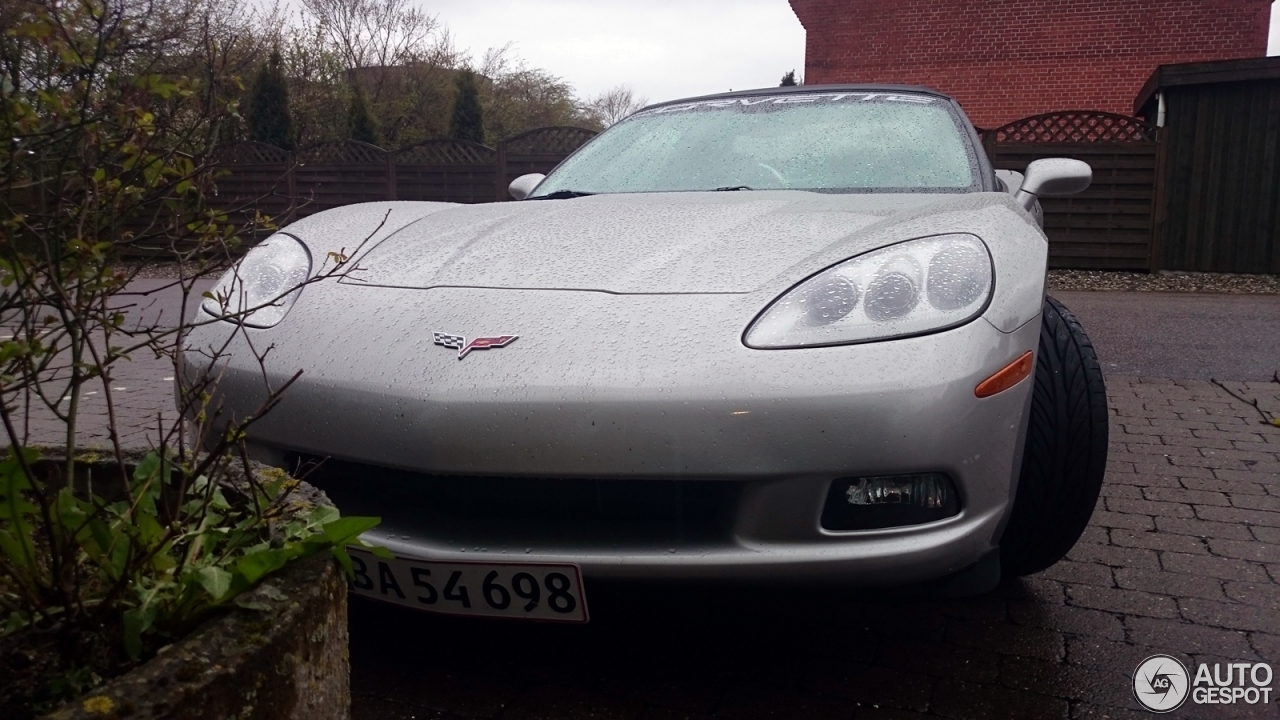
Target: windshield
pixel 833 142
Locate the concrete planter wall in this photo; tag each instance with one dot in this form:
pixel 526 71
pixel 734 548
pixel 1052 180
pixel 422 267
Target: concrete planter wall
pixel 284 658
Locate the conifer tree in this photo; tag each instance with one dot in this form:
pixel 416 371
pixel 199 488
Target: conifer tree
pixel 267 114
pixel 360 125
pixel 467 122
pixel 789 80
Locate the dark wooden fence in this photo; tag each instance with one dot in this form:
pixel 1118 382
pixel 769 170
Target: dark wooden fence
pixel 1205 195
pixel 1218 208
pixel 255 177
pixel 1109 225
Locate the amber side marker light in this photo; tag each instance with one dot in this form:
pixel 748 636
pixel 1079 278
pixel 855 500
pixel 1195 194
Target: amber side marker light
pixel 1008 376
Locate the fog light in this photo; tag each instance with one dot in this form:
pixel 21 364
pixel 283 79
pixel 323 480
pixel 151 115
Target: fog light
pixel 868 503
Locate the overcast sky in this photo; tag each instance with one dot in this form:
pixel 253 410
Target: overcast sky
pixel 663 49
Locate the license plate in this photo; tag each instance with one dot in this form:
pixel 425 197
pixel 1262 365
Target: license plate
pixel 527 591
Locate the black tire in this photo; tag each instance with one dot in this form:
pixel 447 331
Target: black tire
pixel 1065 456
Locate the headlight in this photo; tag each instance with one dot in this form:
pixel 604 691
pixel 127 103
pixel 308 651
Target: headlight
pixel 260 289
pixel 910 288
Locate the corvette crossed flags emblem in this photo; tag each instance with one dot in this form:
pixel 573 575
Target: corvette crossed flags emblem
pixel 459 343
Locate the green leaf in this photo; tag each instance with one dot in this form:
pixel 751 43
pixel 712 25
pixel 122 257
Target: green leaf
pixel 251 568
pixel 344 530
pixel 147 468
pixel 12 549
pixel 136 622
pixel 344 559
pixel 215 581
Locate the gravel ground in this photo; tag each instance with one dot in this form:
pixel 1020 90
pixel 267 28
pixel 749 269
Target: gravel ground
pixel 1164 281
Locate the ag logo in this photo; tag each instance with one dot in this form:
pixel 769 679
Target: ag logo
pixel 1161 683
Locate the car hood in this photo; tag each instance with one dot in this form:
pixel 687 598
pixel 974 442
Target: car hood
pixel 631 244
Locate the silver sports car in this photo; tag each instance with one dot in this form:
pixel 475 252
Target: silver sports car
pixel 784 334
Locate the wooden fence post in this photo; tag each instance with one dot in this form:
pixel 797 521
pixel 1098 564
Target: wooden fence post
pixel 1158 202
pixel 500 179
pixel 989 145
pixel 290 162
pixel 391 175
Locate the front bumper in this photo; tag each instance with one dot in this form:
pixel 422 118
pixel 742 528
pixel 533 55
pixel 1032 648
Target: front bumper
pixel 690 404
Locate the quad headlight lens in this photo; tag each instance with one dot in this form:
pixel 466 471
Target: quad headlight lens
pixel 260 289
pixel 905 289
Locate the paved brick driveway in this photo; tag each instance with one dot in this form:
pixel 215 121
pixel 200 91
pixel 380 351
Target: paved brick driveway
pixel 1182 557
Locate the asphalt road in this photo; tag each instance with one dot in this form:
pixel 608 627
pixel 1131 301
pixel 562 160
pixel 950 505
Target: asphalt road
pixel 1181 335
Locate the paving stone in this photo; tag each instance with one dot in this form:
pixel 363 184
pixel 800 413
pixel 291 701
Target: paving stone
pixel 1177 495
pixel 1263 595
pixel 1211 566
pixel 1209 463
pixel 1224 435
pixel 1115 556
pixel 1169 583
pixel 1079 572
pixel 1267 646
pixel 1133 492
pixel 1233 616
pixel 1266 534
pixel 1252 455
pixel 1270 503
pixel 1254 550
pixel 1256 476
pixel 1128 602
pixel 1158 541
pixel 1144 480
pixel 1238 515
pixel 1147 507
pixel 1122 520
pixel 1203 528
pixel 1187 637
pixel 1162 450
pixel 1250 486
pixel 1095 535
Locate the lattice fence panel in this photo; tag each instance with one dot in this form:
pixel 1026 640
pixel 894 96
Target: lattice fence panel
pixel 556 140
pixel 1076 126
pixel 446 152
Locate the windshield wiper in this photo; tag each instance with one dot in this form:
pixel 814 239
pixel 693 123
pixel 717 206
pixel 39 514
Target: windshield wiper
pixel 731 188
pixel 561 195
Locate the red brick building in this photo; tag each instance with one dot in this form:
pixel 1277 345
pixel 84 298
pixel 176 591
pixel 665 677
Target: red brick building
pixel 1007 59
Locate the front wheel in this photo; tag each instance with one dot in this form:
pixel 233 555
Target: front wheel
pixel 1065 456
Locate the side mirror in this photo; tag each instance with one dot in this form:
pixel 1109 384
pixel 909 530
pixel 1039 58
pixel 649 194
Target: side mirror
pixel 1052 177
pixel 523 185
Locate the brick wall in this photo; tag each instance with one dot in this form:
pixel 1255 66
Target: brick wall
pixel 1007 59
